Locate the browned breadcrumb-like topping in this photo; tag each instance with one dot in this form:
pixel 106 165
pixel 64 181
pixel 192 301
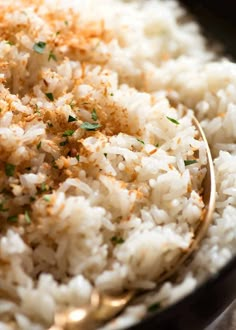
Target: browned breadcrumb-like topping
pixel 67 38
pixel 75 37
pixel 60 110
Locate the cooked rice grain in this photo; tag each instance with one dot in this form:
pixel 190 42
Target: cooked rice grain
pixel 95 129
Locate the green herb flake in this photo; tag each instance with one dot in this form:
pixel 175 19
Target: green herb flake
pixel 57 33
pixel 157 145
pixel 71 119
pixel 112 94
pixel 27 217
pixel 94 115
pixel 105 154
pixel 39 47
pixel 37 110
pixel 72 104
pixel 46 198
pixel 173 120
pixel 190 162
pixel 68 132
pixel 153 307
pixel 50 96
pixel 2 208
pixel 90 127
pixel 10 43
pixel 117 240
pixel 13 218
pixel 32 198
pixel 77 157
pixel 52 56
pixel 141 141
pixel 39 145
pixel 66 23
pixel 9 169
pixel 64 143
pixel 44 187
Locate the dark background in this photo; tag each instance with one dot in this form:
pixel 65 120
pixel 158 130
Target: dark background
pixel 218 21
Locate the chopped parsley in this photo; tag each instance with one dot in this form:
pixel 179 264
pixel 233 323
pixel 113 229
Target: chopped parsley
pixel 66 23
pixel 64 143
pixel 2 208
pixel 71 119
pixel 50 96
pixel 153 307
pixel 90 127
pixel 105 154
pixel 44 187
pixel 9 43
pixel 173 120
pixel 52 56
pixel 94 115
pixel 9 169
pixel 39 47
pixel 39 145
pixel 157 145
pixel 27 217
pixel 68 132
pixel 72 104
pixel 141 141
pixel 37 110
pixel 12 218
pixel 190 162
pixel 77 157
pixel 46 198
pixel 112 94
pixel 117 240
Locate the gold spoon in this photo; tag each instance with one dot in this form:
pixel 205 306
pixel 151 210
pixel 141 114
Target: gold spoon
pixel 103 307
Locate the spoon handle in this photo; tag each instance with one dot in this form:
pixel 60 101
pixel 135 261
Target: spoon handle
pixel 101 308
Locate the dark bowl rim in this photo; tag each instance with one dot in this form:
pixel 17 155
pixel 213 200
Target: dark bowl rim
pixel 165 313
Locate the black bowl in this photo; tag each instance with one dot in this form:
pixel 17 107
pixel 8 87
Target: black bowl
pixel 198 309
pixel 217 20
pixel 209 300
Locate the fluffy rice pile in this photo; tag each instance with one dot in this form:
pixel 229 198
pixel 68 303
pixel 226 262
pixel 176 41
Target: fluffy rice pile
pixel 100 165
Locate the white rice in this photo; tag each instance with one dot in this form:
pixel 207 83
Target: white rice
pixel 110 208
